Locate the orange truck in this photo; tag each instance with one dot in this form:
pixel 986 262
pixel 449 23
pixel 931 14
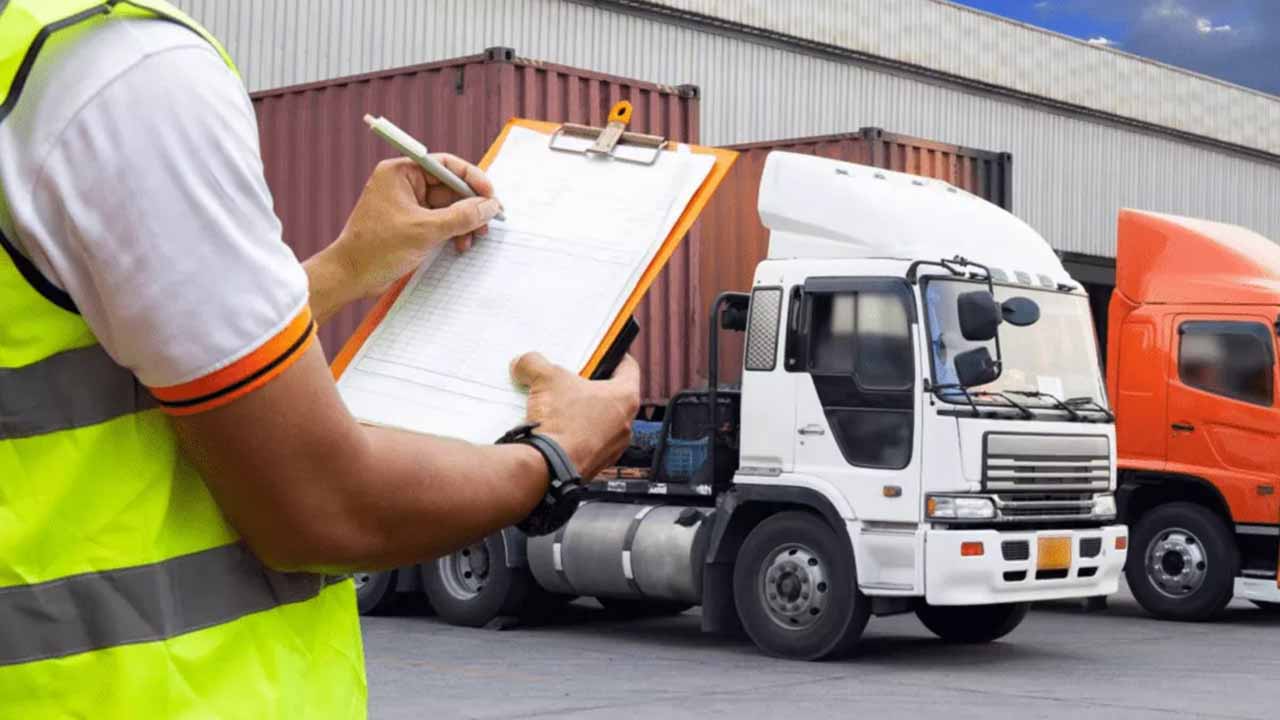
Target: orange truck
pixel 1192 374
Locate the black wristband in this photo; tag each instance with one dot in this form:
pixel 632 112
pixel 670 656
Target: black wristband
pixel 564 490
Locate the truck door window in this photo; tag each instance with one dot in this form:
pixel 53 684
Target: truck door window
pixel 856 345
pixel 1232 359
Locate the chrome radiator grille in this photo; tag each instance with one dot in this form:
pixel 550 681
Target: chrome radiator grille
pixel 1046 464
pixel 1046 506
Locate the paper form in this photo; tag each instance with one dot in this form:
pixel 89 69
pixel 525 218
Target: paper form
pixel 580 231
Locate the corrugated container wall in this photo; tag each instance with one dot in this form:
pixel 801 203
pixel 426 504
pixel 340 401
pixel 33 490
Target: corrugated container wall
pixel 318 153
pixel 732 239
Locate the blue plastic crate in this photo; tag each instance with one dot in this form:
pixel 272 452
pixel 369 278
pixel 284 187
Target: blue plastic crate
pixel 645 434
pixel 685 457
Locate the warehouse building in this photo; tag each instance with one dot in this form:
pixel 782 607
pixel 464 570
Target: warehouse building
pixel 1090 129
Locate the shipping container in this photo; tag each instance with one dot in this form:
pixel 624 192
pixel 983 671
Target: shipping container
pixel 730 239
pixel 317 154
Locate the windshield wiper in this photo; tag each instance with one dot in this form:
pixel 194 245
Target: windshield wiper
pixel 968 396
pixel 1071 412
pixel 1086 401
pixel 1026 412
pixel 937 392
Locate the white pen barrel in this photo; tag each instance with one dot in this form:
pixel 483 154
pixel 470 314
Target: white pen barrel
pixel 401 139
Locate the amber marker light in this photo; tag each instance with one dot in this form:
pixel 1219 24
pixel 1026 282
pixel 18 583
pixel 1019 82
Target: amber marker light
pixel 972 549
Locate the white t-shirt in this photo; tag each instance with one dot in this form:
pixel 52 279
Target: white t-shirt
pixel 133 181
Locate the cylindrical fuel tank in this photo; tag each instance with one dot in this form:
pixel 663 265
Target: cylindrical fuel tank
pixel 625 550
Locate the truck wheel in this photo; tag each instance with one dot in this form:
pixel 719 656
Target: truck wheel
pixel 473 586
pixel 1183 562
pixel 796 589
pixel 973 623
pixel 632 608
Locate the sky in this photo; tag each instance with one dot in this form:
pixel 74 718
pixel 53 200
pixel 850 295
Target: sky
pixel 1235 40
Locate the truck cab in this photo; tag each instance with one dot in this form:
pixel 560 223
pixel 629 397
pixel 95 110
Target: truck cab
pixel 921 426
pixel 1192 371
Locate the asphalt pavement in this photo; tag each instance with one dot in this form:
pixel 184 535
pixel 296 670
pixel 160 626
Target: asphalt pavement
pixel 1061 663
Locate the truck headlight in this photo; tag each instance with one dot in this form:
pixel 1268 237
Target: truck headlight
pixel 1104 505
pixel 951 507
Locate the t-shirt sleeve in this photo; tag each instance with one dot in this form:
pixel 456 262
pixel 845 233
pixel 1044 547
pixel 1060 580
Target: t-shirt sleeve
pixel 168 242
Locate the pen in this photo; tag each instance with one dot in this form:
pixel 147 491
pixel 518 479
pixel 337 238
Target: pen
pixel 417 152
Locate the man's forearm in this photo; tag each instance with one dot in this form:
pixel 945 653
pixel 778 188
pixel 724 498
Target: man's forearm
pixel 402 500
pixel 308 487
pixel 430 496
pixel 330 282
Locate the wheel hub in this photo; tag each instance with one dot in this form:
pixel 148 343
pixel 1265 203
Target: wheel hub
pixel 1176 562
pixel 465 572
pixel 794 586
pixel 361 579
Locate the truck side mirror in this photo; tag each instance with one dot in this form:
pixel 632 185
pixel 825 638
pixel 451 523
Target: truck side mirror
pixel 1020 311
pixel 979 315
pixel 976 367
pixel 734 317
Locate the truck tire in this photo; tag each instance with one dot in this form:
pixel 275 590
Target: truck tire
pixel 973 623
pixel 474 586
pixel 633 608
pixel 796 588
pixel 1182 562
pixel 375 592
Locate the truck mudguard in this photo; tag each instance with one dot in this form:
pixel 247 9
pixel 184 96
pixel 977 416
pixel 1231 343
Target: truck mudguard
pixel 739 510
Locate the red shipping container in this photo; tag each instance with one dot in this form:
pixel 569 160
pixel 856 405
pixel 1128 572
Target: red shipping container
pixel 317 154
pixel 730 240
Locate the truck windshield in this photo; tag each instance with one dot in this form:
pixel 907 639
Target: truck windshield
pixel 1056 356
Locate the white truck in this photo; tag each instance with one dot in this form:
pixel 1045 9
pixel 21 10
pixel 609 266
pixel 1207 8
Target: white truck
pixel 921 426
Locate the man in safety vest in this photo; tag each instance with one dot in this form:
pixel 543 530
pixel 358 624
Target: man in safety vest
pixel 180 482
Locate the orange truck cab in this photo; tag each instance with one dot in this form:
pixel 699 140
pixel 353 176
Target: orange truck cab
pixel 1191 371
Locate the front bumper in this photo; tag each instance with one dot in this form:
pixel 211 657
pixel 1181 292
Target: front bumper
pixel 952 579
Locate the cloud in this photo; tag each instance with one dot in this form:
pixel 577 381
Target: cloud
pixel 1236 40
pixel 1101 40
pixel 1204 27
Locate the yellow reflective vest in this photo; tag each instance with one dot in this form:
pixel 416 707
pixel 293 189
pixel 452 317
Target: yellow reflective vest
pixel 124 593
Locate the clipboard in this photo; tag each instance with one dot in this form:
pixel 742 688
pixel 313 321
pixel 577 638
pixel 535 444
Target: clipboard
pixel 619 145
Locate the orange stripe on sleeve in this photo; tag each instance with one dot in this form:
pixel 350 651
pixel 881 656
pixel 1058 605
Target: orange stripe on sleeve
pixel 242 376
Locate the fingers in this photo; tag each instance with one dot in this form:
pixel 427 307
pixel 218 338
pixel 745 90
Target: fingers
pixel 626 382
pixel 409 170
pixel 531 368
pixel 627 374
pixel 461 218
pixel 470 174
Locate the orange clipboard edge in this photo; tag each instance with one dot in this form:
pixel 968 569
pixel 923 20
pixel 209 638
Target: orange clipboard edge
pixel 724 160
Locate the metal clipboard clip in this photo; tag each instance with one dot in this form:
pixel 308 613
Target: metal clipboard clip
pixel 612 141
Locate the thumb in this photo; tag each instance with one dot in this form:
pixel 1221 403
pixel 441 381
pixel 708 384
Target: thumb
pixel 530 368
pixel 463 217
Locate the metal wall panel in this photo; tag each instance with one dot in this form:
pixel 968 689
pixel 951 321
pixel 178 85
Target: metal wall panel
pixel 317 154
pixel 731 240
pixel 969 43
pixel 1074 172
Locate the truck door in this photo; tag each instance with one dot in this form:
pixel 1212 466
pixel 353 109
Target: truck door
pixel 850 349
pixel 1224 425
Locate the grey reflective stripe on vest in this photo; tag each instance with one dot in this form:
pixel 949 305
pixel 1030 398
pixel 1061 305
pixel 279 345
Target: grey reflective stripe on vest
pixel 141 604
pixel 72 389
